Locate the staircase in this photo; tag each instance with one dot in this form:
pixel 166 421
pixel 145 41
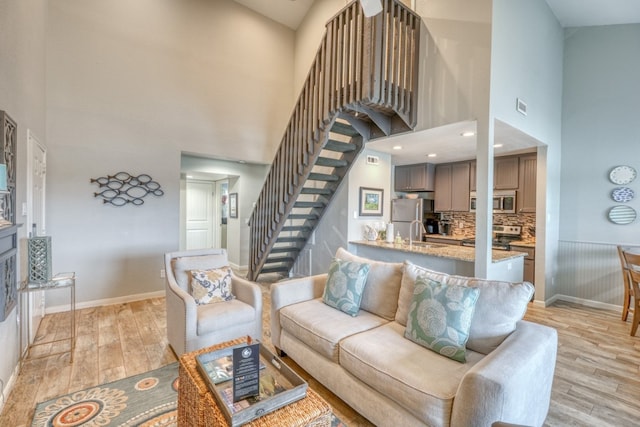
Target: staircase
pixel 362 85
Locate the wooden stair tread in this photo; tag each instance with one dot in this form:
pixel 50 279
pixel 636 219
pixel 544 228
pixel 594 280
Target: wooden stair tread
pixel 342 147
pixel 314 176
pixel 344 129
pixel 333 163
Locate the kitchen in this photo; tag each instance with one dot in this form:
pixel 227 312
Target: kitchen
pixel 442 198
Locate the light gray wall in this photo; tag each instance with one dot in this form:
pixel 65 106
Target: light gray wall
pixel 130 87
pixel 600 131
pixel 528 64
pixel 22 96
pixel 455 60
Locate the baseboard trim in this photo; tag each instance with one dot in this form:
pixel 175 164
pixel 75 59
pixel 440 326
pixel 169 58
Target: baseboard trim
pixel 106 301
pixel 6 389
pixel 582 301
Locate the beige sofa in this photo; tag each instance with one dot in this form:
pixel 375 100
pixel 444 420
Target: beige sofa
pixel 392 381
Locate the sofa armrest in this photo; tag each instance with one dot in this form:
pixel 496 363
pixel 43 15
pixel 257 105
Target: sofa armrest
pixel 512 383
pixel 291 292
pixel 249 293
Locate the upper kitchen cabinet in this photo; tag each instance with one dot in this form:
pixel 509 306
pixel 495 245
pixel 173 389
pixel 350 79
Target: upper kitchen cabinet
pixel 526 200
pixel 505 173
pixel 452 187
pixel 418 177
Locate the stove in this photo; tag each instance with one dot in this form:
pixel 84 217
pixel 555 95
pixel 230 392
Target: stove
pixel 503 236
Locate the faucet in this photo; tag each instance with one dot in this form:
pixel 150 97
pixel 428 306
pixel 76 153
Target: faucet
pixel 411 230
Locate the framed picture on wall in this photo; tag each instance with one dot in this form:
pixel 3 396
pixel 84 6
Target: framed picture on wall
pixel 233 205
pixel 371 200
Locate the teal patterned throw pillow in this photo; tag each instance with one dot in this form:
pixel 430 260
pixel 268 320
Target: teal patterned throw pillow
pixel 345 284
pixel 440 317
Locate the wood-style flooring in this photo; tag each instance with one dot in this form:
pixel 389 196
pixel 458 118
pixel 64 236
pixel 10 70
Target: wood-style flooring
pixel 597 377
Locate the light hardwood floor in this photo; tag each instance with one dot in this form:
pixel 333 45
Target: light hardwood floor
pixel 597 379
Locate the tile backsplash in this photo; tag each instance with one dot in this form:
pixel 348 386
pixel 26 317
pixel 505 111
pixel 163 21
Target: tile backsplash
pixel 526 221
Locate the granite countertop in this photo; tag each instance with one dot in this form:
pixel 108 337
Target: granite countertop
pixel 462 253
pixel 529 243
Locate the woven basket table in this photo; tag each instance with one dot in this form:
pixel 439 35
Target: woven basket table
pixel 198 407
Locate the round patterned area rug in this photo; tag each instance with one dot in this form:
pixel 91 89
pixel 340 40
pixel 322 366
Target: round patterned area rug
pixel 148 399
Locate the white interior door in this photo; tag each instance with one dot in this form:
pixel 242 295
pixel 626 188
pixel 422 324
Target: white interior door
pixel 200 218
pixel 36 220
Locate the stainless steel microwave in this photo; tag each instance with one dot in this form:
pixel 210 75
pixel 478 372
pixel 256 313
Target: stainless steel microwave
pixel 504 201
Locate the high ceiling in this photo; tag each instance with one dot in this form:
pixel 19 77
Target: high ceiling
pixel 570 13
pixel 446 141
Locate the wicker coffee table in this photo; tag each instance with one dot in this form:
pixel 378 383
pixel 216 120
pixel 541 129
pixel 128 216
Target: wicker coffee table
pixel 198 407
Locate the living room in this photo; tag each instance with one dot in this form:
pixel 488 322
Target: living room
pixel 119 87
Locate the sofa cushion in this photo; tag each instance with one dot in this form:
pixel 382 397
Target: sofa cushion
pixel 383 285
pixel 499 307
pixel 419 380
pixel 215 317
pixel 345 284
pixel 440 317
pixel 322 327
pixel 212 285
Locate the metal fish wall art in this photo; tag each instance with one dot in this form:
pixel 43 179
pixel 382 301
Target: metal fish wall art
pixel 123 188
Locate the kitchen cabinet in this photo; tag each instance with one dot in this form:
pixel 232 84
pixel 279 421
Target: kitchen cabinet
pixel 505 173
pixel 529 261
pixel 418 177
pixel 526 200
pixel 452 187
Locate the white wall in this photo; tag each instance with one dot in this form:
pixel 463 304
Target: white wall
pixel 600 131
pixel 455 61
pixel 131 86
pixel 22 96
pixel 528 65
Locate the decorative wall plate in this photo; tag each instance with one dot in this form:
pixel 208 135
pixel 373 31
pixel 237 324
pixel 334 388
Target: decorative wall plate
pixel 622 215
pixel 622 194
pixel 622 175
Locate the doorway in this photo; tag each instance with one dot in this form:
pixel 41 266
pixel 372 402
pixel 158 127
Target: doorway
pixel 36 221
pixel 206 211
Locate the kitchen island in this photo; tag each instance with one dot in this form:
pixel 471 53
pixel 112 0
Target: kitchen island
pixel 451 259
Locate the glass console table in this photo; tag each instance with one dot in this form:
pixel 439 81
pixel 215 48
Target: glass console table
pixel 59 281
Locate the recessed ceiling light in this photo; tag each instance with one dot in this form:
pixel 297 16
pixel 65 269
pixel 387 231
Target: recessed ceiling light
pixel 497 145
pixel 431 155
pixel 468 133
pixel 190 176
pixel 242 162
pixel 397 147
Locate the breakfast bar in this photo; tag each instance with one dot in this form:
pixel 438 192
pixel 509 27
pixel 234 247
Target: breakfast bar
pixel 451 259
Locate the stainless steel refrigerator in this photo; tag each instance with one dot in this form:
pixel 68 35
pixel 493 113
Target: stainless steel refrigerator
pixel 403 211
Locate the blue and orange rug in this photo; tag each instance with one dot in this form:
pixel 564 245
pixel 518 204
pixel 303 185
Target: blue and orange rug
pixel 148 399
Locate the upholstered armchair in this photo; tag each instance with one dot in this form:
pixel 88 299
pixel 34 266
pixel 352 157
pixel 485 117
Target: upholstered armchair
pixel 191 326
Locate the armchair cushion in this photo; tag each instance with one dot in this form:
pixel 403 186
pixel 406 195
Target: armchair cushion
pixel 213 285
pixel 183 265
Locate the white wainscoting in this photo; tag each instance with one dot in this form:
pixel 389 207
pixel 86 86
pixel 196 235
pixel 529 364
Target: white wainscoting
pixel 589 271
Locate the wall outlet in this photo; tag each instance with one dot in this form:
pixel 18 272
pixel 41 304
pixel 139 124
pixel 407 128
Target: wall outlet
pixel 460 224
pixel 162 274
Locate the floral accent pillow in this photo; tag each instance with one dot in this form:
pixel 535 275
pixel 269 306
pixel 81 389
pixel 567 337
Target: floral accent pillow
pixel 212 285
pixel 440 317
pixel 345 284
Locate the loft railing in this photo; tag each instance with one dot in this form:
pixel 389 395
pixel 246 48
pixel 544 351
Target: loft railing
pixel 365 68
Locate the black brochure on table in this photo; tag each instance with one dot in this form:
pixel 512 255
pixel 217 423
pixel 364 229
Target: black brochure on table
pixel 246 372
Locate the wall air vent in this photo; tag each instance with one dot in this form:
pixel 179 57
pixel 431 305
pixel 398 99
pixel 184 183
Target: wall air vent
pixel 521 106
pixel 373 160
